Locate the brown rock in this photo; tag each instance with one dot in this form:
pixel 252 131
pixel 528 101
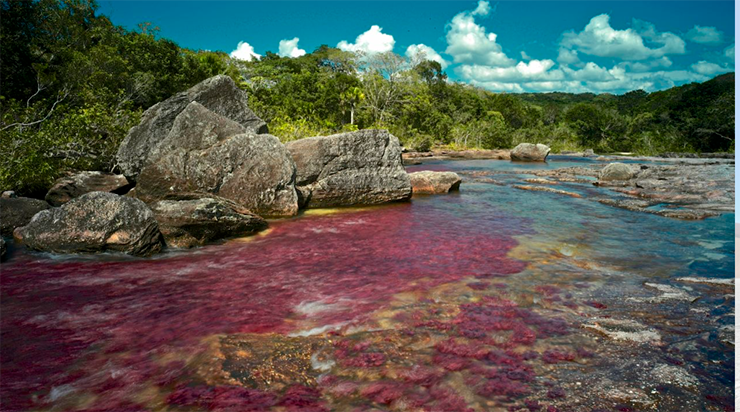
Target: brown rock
pixel 429 183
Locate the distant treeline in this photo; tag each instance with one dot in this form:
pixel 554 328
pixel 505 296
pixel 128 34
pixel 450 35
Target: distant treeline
pixel 72 84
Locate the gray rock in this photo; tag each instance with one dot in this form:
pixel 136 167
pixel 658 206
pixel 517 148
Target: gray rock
pixel 189 223
pixel 8 194
pixel 219 94
pixel 70 187
pixel 616 171
pixel 528 152
pixel 429 183
pixel 589 153
pixel 94 222
pixel 207 155
pixel 357 168
pixel 18 211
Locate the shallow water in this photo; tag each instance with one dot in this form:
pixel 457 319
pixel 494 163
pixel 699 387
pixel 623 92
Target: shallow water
pixel 488 299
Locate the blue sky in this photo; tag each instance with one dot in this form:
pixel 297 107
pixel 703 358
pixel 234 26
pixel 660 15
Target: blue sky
pixel 597 46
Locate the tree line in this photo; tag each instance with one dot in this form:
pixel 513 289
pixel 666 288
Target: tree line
pixel 73 83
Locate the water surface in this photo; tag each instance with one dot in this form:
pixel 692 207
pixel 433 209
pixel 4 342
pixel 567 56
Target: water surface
pixel 487 299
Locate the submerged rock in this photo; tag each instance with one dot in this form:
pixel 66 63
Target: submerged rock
pixel 219 94
pixel 206 154
pixel 528 152
pixel 18 211
pixel 625 330
pixel 189 223
pixel 616 171
pixel 430 183
pixel 357 168
pixel 94 222
pixel 70 187
pixel 545 189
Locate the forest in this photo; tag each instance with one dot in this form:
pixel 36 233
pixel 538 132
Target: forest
pixel 73 84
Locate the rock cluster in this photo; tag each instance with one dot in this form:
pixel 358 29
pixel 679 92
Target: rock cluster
pixel 218 94
pixel 206 154
pixel 205 168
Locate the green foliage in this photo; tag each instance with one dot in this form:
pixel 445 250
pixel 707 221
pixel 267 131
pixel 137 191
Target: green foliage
pixel 73 84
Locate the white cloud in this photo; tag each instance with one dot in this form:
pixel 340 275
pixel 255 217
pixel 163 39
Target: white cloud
pixel 468 42
pixel 370 42
pixel 244 52
pixel 709 69
pixel 567 57
pixel 419 51
pixel 525 56
pixel 730 52
pixel 483 8
pixel 591 72
pixel 598 38
pixel 289 48
pixel 534 70
pixel 704 35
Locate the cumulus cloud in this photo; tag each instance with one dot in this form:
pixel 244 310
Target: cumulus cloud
pixel 709 69
pixel 422 51
pixel 730 52
pixel 600 39
pixel 289 48
pixel 704 35
pixel 370 42
pixel 468 42
pixel 244 51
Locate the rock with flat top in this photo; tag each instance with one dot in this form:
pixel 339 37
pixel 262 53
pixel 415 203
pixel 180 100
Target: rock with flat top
pixel 431 183
pixel 76 185
pixel 356 168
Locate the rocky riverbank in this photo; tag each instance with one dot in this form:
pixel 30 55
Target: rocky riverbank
pixel 679 188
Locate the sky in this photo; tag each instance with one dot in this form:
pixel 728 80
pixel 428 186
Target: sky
pixel 512 46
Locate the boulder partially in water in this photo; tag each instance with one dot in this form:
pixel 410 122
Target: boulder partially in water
pixel 94 222
pixel 616 171
pixel 189 223
pixel 18 211
pixel 207 155
pixel 356 168
pixel 430 183
pixel 70 187
pixel 528 152
pixel 219 94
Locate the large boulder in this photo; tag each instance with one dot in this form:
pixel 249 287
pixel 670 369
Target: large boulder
pixel 219 94
pixel 189 223
pixel 528 152
pixel 356 168
pixel 18 211
pixel 616 171
pixel 70 187
pixel 94 222
pixel 206 155
pixel 430 183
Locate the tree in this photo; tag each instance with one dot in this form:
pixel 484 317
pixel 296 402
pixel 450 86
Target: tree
pixel 352 97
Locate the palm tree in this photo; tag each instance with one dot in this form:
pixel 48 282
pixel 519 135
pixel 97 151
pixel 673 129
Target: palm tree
pixel 352 96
